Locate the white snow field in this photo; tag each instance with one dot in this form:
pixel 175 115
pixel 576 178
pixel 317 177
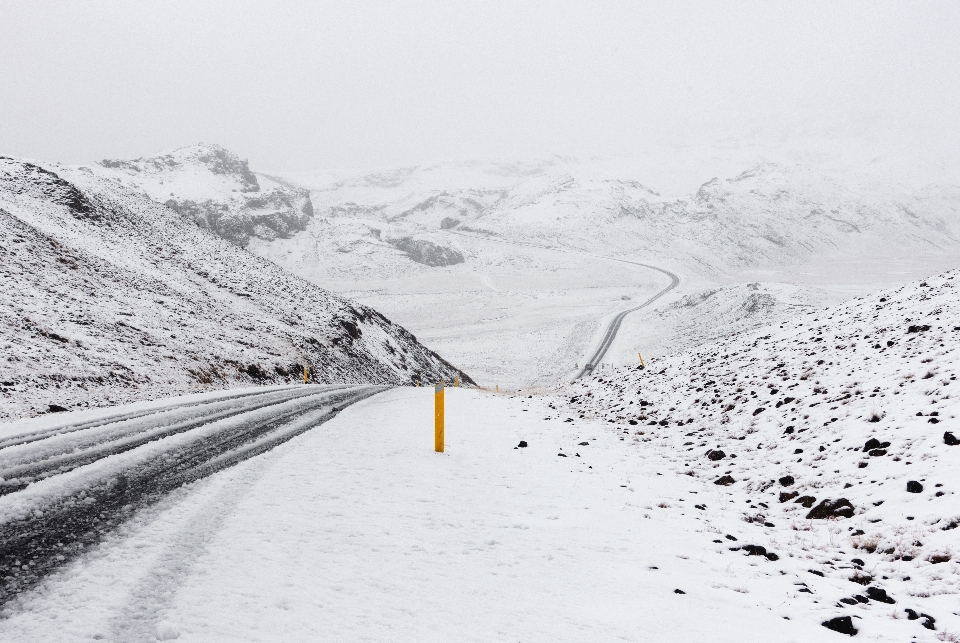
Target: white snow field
pixel 359 531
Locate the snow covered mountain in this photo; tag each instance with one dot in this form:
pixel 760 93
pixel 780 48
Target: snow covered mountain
pixel 769 214
pixel 215 188
pixel 448 249
pixel 111 297
pixel 829 441
pixel 517 223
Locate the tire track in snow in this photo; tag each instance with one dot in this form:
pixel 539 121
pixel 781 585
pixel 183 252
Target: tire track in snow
pixel 50 522
pixel 36 459
pixel 141 619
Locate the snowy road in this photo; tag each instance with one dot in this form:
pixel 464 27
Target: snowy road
pixel 360 532
pixel 65 481
pixel 610 330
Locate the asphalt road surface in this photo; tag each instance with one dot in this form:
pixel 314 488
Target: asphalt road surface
pixel 65 486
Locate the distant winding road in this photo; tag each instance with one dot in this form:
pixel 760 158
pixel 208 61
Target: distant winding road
pixel 610 332
pixel 66 485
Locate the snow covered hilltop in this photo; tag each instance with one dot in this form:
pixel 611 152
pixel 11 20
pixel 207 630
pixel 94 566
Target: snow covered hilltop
pixel 215 187
pixel 111 297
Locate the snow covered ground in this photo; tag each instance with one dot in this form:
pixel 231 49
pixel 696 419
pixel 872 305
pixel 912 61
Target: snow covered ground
pixel 357 530
pixel 849 408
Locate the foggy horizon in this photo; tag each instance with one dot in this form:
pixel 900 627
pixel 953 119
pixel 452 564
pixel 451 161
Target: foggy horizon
pixel 338 86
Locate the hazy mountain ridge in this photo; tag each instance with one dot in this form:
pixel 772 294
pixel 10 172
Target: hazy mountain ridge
pixel 112 297
pixel 769 214
pixel 216 189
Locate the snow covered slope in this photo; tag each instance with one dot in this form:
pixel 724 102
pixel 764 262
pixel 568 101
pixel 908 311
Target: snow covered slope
pixel 110 297
pixel 215 188
pixel 836 434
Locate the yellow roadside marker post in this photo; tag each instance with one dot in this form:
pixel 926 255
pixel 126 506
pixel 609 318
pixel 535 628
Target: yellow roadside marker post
pixel 498 388
pixel 438 418
pixel 642 365
pixel 306 375
pixel 456 381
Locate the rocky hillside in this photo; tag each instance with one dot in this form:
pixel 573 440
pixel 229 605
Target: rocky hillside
pixel 111 297
pixel 829 445
pixel 216 189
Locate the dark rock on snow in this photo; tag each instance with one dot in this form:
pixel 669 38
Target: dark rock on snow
pixel 830 508
pixel 880 595
pixel 914 487
pixel 841 624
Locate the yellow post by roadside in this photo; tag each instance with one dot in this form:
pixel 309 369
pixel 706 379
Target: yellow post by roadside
pixel 456 381
pixel 438 418
pixel 306 375
pixel 642 365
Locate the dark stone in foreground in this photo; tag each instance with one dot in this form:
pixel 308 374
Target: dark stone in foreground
pixel 725 481
pixel 950 439
pixel 523 444
pixel 679 591
pixel 879 595
pixel 786 481
pixel 829 509
pixel 841 624
pixel 56 408
pixel 716 455
pixel 914 487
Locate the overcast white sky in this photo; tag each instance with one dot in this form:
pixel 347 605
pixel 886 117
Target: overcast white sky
pixel 306 85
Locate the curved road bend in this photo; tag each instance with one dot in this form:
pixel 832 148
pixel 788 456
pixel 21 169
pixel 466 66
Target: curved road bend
pixel 63 488
pixel 610 332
